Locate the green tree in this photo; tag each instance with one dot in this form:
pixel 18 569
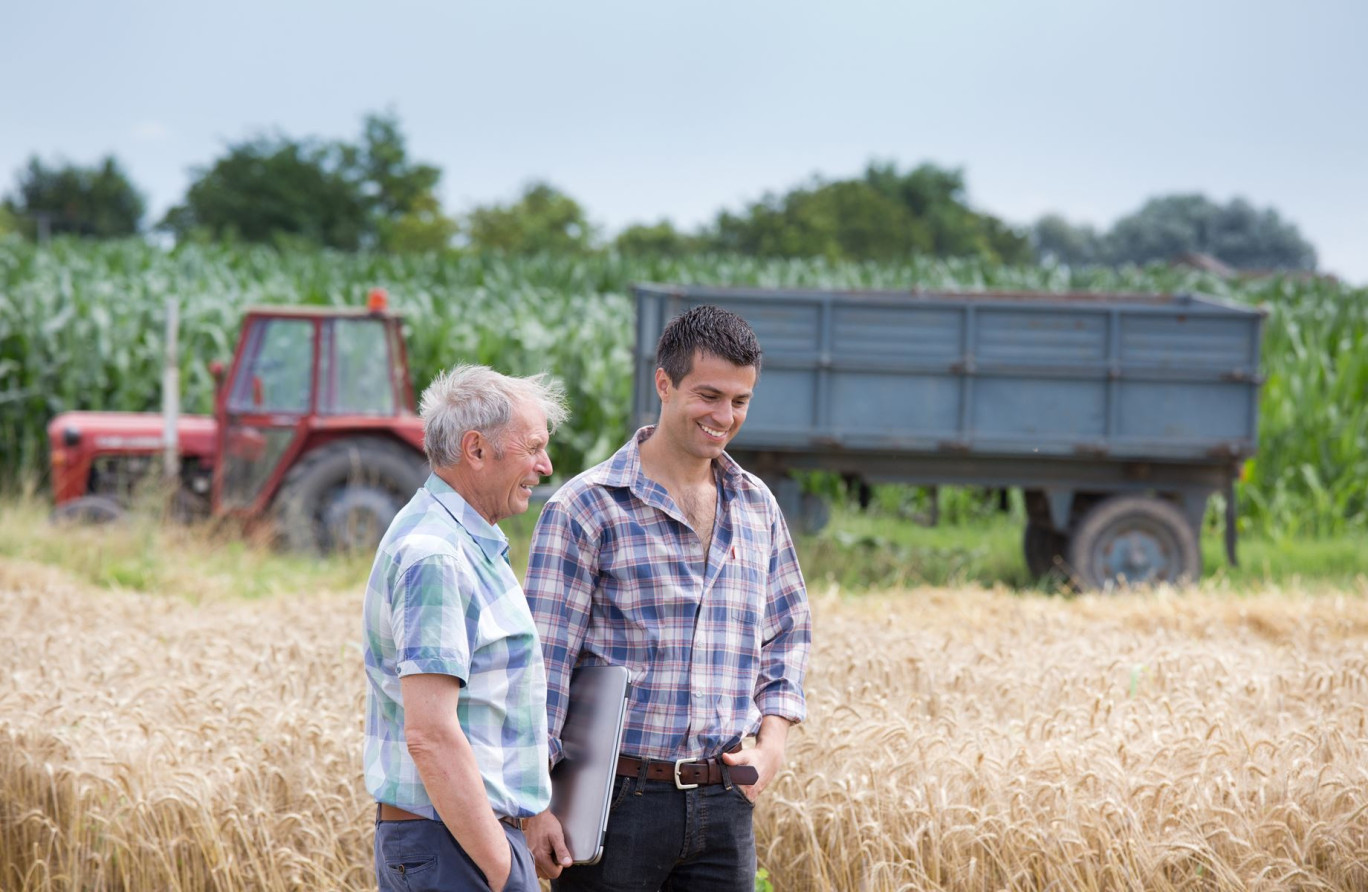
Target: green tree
pixel 655 240
pixel 335 194
pixel 99 201
pixel 275 187
pixel 543 219
pixel 1237 234
pixel 841 220
pixel 882 215
pixel 1055 239
pixel 937 199
pixel 402 194
pixel 422 227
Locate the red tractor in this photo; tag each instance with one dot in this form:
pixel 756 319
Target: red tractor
pixel 314 428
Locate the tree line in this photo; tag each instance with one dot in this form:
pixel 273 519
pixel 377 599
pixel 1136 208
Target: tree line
pixel 368 194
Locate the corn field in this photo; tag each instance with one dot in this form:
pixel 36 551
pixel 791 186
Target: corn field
pixel 81 328
pixel 957 740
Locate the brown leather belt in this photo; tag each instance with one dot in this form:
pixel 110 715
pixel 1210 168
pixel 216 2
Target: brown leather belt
pixel 687 773
pixel 386 812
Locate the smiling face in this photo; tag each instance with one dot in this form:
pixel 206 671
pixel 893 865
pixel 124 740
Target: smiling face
pixel 513 463
pixel 701 415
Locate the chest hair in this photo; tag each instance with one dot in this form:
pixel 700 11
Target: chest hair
pixel 700 509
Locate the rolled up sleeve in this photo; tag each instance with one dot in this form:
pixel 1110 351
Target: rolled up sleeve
pixel 786 636
pixel 434 620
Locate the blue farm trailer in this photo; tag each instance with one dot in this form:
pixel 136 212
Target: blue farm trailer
pixel 1118 415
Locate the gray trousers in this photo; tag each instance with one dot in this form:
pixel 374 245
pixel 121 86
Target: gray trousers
pixel 423 856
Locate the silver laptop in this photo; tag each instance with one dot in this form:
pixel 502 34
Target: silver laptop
pixel 582 782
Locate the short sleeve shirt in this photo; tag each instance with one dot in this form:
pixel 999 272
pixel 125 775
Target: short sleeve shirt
pixel 442 599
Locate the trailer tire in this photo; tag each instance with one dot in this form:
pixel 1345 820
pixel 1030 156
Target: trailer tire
pixel 343 495
pixel 1044 550
pixel 1134 540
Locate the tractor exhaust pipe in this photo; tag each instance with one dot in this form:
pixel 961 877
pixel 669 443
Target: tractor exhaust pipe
pixel 171 394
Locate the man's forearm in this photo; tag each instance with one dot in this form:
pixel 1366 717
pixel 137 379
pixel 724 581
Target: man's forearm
pixel 451 776
pixel 452 779
pixel 773 734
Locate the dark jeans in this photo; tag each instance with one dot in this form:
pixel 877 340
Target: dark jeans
pixel 663 838
pixel 423 856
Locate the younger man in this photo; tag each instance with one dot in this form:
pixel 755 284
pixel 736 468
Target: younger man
pixel 673 561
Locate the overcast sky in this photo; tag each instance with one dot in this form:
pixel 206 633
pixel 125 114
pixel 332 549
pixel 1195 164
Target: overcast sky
pixel 645 110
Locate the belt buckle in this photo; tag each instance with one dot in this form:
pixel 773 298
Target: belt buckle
pixel 678 785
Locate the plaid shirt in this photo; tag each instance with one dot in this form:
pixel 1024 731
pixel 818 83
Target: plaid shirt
pixel 442 599
pixel 616 576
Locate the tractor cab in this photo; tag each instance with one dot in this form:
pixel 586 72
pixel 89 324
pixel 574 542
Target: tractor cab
pixel 302 378
pixel 314 427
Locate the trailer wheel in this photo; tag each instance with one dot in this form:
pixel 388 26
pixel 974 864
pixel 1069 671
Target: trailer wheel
pixel 1134 540
pixel 1044 549
pixel 343 495
pixel 97 510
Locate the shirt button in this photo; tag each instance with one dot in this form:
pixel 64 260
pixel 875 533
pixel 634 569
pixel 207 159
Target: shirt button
pixel 698 695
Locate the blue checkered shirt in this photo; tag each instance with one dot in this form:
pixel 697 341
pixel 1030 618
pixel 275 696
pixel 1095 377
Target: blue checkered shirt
pixel 442 599
pixel 616 576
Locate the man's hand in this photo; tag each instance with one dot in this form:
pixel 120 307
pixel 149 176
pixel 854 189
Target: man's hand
pixel 767 756
pixel 546 839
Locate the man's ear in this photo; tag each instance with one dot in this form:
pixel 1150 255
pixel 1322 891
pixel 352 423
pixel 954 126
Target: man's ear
pixel 662 382
pixel 473 447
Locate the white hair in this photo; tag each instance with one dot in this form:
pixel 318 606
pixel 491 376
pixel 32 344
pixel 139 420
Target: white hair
pixel 477 398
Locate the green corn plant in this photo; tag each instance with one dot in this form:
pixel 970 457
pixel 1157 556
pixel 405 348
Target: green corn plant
pixel 80 328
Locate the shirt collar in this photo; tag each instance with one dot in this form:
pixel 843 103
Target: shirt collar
pixel 490 538
pixel 624 468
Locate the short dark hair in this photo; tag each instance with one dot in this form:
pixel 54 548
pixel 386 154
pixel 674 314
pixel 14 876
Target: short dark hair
pixel 710 330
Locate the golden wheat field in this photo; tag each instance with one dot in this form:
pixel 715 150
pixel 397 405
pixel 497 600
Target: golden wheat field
pixel 966 740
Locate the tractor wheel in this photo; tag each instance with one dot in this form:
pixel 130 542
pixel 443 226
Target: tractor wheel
pixel 343 495
pixel 1044 549
pixel 89 510
pixel 1134 540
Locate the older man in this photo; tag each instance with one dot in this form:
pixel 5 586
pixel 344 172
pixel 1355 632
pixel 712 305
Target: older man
pixel 456 750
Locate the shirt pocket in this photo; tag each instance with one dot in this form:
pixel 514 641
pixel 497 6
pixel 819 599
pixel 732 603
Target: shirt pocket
pixel 739 601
